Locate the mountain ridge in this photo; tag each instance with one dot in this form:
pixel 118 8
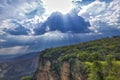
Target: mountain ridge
pixel 78 62
pixel 15 67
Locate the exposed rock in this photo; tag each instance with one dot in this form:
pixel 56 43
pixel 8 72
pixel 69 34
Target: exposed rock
pixel 65 71
pixel 51 70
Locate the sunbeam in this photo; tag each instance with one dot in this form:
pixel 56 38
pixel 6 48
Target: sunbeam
pixel 63 6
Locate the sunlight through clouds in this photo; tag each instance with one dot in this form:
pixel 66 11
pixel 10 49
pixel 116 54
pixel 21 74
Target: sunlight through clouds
pixel 63 6
pixel 34 25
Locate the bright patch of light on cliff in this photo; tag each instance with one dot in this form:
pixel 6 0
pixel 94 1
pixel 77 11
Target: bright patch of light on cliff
pixel 63 6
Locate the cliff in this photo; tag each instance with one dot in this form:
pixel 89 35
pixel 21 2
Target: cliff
pixel 94 60
pixel 51 70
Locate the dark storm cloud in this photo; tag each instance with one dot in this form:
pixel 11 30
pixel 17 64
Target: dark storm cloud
pixel 18 30
pixel 70 22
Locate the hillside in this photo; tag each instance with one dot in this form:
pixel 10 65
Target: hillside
pixel 93 60
pixel 88 51
pixel 12 68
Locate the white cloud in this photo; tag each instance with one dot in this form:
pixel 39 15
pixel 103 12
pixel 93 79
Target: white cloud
pixel 8 24
pixel 19 8
pixel 75 1
pixel 93 8
pixel 14 50
pixel 27 13
pixel 102 15
pixel 2 40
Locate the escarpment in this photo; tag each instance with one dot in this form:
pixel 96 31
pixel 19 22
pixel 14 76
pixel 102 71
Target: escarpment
pixel 52 70
pixel 94 60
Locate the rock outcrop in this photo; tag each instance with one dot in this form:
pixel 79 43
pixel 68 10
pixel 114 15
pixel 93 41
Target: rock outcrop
pixel 52 70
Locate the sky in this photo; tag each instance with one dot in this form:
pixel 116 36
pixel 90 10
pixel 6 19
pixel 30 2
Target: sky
pixel 33 25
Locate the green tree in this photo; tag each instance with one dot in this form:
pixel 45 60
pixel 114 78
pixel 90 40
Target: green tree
pixel 83 56
pixel 111 69
pixel 95 57
pixel 26 78
pixel 96 72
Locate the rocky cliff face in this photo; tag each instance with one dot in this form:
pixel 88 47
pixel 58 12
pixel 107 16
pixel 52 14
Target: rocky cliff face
pixel 85 61
pixel 52 70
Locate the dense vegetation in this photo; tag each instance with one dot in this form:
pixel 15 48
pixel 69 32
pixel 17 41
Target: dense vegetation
pixel 96 50
pixel 95 60
pixel 99 59
pixel 26 78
